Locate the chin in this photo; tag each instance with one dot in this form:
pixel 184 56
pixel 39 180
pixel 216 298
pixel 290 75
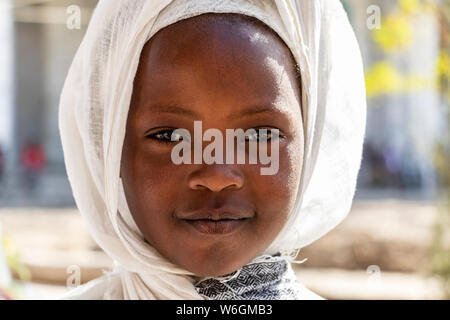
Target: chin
pixel 217 266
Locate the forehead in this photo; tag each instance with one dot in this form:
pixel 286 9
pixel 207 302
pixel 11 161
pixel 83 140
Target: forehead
pixel 215 56
pixel 215 31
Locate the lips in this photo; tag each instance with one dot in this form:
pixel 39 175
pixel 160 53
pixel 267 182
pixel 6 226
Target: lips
pixel 212 227
pixel 216 221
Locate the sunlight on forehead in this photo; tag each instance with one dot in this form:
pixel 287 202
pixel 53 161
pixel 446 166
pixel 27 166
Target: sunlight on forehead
pixel 259 37
pixel 286 99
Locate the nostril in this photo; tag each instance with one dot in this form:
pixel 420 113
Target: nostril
pixel 215 178
pixel 233 186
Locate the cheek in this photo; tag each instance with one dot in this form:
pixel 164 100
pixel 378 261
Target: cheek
pixel 151 168
pixel 151 182
pixel 275 195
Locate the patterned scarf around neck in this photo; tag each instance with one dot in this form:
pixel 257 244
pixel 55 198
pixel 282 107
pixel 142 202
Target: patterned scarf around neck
pixel 273 279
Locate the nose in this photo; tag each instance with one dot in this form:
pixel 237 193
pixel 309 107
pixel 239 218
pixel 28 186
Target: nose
pixel 216 177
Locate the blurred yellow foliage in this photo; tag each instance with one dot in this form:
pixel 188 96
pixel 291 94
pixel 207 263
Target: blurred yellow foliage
pixel 383 79
pixel 13 258
pixel 410 6
pixel 443 65
pixel 395 33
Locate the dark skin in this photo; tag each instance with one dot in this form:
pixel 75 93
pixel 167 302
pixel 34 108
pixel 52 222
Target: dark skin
pixel 230 72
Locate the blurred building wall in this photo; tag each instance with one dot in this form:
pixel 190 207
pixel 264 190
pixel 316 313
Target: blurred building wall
pixel 6 79
pixel 43 48
pixel 405 112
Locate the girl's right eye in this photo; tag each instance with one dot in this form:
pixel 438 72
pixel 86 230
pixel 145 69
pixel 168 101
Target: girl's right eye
pixel 165 136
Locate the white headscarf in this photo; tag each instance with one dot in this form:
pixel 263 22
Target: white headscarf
pixel 94 107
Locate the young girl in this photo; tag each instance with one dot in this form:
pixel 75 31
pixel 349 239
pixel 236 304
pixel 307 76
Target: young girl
pixel 220 229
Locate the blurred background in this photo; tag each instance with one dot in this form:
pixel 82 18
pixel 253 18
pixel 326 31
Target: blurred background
pixel 395 243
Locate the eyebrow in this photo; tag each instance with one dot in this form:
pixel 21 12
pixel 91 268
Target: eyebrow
pixel 174 109
pixel 252 111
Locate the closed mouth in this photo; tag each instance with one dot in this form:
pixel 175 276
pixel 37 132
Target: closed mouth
pixel 216 226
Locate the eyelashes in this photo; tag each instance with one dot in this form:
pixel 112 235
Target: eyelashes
pixel 165 136
pixel 263 134
pixel 260 134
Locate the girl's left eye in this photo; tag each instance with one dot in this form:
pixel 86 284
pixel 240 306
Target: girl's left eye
pixel 166 136
pixel 263 134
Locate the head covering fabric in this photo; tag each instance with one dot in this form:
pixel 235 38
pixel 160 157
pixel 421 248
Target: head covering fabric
pixel 94 106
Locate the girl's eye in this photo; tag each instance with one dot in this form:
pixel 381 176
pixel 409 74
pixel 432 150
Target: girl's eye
pixel 166 136
pixel 263 134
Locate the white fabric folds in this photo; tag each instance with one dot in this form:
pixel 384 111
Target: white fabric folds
pixel 94 106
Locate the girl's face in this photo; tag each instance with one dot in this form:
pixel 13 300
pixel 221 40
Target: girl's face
pixel 229 72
